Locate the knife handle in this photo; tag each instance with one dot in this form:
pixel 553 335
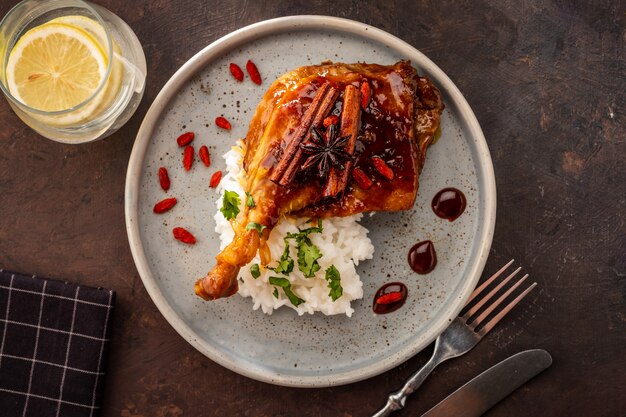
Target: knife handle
pixel 396 400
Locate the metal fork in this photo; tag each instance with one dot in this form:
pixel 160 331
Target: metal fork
pixel 462 335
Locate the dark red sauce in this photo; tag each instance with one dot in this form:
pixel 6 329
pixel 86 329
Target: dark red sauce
pixel 422 257
pixel 449 204
pixel 390 297
pixel 384 130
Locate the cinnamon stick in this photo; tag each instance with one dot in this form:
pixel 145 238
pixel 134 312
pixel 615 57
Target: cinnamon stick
pixel 302 131
pixel 325 108
pixel 350 119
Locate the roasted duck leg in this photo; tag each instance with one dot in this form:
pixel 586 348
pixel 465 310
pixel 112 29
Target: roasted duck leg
pixel 315 129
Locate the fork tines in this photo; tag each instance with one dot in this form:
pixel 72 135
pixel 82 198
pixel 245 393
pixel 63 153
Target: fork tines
pixel 478 303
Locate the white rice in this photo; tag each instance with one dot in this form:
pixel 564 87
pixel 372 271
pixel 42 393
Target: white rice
pixel 343 243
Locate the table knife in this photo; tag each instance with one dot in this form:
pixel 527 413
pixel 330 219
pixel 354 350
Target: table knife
pixel 484 391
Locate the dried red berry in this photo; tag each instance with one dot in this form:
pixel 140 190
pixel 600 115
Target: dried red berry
pixel 389 298
pixel 236 71
pixel 253 72
pixel 185 139
pixel 184 235
pixel 223 123
pixel 382 168
pixel 215 179
pixel 164 179
pixel 164 205
pixel 331 120
pixel 365 94
pixel 204 155
pixel 188 157
pixel 361 178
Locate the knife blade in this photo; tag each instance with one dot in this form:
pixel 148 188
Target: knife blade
pixel 484 391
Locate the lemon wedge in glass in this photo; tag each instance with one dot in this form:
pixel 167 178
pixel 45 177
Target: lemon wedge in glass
pixel 55 67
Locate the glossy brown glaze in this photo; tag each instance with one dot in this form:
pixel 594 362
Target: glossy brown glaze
pixel 389 129
pixel 398 130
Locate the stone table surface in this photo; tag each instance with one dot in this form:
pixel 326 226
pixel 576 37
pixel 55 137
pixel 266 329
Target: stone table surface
pixel 547 81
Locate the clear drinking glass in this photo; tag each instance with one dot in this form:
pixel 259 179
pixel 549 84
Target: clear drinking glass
pixel 117 95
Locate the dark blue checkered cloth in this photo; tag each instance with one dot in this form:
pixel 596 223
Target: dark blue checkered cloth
pixel 53 344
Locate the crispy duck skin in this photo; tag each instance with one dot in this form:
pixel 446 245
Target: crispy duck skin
pixel 399 123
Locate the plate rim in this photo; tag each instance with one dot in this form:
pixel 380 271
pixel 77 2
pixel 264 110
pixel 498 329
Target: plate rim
pixel 485 174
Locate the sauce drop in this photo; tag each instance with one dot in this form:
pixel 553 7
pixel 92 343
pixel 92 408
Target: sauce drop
pixel 449 203
pixel 422 257
pixel 390 297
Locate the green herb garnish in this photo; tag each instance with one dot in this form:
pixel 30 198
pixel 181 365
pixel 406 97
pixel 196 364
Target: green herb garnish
pixel 230 205
pixel 308 254
pixel 255 271
pixel 285 263
pixel 249 200
pixel 314 229
pixel 305 232
pixel 286 286
pixel 275 293
pixel 256 226
pixel 334 282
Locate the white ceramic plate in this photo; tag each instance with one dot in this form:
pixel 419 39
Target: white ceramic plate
pixel 285 349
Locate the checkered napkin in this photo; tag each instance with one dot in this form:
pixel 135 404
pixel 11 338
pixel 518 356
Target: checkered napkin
pixel 53 344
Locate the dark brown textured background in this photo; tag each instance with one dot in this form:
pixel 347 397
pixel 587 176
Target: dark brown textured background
pixel 547 81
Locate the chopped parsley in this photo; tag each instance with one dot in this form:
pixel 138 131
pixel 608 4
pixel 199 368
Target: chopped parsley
pixel 334 282
pixel 230 205
pixel 275 293
pixel 286 286
pixel 249 200
pixel 255 271
pixel 256 226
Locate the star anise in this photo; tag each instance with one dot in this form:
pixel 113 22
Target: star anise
pixel 325 151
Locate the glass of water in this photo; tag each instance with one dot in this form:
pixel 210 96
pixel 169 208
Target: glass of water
pixel 71 70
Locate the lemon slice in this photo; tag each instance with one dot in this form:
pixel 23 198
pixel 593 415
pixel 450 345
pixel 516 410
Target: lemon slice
pixel 89 25
pixel 56 67
pixel 94 28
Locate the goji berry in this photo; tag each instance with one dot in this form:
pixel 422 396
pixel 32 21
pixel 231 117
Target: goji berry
pixel 185 139
pixel 215 179
pixel 164 179
pixel 365 94
pixel 236 71
pixel 183 235
pixel 330 120
pixel 382 168
pixel 253 72
pixel 361 179
pixel 204 155
pixel 188 157
pixel 390 297
pixel 223 123
pixel 164 205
